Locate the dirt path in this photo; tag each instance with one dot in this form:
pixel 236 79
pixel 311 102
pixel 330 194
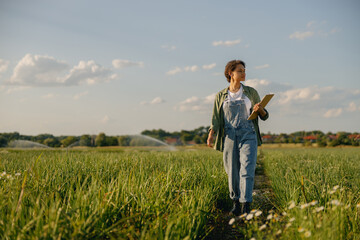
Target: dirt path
pixel 262 199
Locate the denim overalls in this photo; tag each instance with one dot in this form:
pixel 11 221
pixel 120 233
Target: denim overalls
pixel 240 150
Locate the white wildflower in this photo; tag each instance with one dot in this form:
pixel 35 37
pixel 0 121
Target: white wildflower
pixel 307 234
pixel 252 238
pixel 269 217
pixel 358 205
pixel 292 205
pixel 254 193
pixel 304 205
pixel 318 209
pixel 278 232
pixel 291 219
pixel 332 192
pixel 258 213
pixel 253 211
pixel 17 174
pixel 284 213
pixel 231 222
pixel 288 225
pixel 262 227
pixel 335 202
pixel 313 203
pixel 318 225
pixel 3 174
pixel 243 215
pixel 336 187
pixel 300 229
pixel 249 216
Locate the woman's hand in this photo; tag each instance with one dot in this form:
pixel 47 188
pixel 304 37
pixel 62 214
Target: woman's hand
pixel 210 139
pixel 259 109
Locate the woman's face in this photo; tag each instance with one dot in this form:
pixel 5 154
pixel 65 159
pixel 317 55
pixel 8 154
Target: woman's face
pixel 239 73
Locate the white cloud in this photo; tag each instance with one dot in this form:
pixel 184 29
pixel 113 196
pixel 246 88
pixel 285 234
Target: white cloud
pixel 174 71
pixel 3 65
pixel 156 100
pixel 227 43
pixel 193 68
pixel 301 35
pixel 312 101
pixel 210 66
pixel 351 107
pixel 79 95
pixel 262 66
pixel 314 28
pixel 177 70
pixel 299 94
pixel 122 63
pixel 36 70
pixel 105 119
pixel 335 30
pixel 48 96
pixel 88 72
pixel 311 23
pixel 16 89
pixel 202 105
pixel 169 47
pixel 335 112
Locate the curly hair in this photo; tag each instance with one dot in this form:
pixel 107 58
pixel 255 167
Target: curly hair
pixel 230 66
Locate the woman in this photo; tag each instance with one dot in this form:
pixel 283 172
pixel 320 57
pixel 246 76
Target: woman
pixel 236 136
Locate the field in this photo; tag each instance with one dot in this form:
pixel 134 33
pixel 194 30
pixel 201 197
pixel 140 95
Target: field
pixel 149 193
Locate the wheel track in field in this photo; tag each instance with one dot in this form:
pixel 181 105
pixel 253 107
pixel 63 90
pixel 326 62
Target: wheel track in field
pixel 263 198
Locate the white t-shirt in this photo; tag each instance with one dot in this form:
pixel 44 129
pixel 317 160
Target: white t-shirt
pixel 237 96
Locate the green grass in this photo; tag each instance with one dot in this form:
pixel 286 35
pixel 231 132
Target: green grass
pixel 108 194
pixel 316 195
pixel 138 193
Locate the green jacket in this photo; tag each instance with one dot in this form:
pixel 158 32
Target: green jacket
pixel 218 122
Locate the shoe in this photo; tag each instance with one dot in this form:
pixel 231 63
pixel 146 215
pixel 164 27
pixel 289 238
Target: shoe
pixel 245 208
pixel 236 208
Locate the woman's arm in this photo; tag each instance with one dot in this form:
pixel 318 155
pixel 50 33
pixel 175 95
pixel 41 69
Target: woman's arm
pixel 215 121
pixel 263 113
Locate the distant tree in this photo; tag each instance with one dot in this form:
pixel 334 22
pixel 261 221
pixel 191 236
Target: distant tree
pixel 85 140
pixel 333 143
pixel 204 137
pixel 68 141
pixel 197 139
pixel 112 141
pixel 52 142
pixel 124 140
pixel 3 141
pixel 321 141
pixel 185 137
pixel 41 138
pixel 100 140
pixel 355 142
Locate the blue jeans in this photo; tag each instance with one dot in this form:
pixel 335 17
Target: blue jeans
pixel 240 151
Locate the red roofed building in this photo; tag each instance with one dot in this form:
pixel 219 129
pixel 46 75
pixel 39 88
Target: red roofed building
pixel 310 138
pixel 267 138
pixel 172 141
pixel 354 136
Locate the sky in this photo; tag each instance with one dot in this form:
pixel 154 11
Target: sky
pixel 120 67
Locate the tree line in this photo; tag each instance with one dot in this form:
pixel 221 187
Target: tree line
pixel 183 137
